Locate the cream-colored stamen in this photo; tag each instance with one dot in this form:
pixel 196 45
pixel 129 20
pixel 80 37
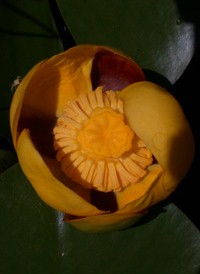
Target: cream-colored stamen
pixel 96 147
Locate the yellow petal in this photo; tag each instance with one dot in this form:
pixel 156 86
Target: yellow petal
pixel 154 193
pixel 106 222
pixel 16 104
pixel 60 78
pixel 158 119
pixel 135 193
pixel 50 190
pixel 48 85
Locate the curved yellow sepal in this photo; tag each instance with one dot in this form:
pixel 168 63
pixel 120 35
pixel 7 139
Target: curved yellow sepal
pixel 50 190
pixel 60 78
pixel 106 222
pixel 158 119
pixel 135 195
pixel 17 101
pixel 45 89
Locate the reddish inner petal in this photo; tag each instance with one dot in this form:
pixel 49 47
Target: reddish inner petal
pixel 114 72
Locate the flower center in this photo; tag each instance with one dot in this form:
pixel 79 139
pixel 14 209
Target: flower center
pixel 105 134
pixel 94 145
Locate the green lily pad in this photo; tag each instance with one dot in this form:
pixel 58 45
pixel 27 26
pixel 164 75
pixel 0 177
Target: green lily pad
pixel 34 239
pixel 153 32
pixel 7 159
pixel 27 36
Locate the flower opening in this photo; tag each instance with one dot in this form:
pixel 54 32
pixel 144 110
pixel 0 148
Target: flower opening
pixel 95 146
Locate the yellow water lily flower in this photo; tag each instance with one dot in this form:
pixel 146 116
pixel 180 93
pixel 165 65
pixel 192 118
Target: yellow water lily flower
pixel 96 140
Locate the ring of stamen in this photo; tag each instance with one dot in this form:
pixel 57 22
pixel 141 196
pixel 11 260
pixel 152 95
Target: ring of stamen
pixel 95 146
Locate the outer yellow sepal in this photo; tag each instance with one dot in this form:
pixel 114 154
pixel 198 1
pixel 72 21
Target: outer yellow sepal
pixel 47 186
pixel 17 101
pixel 158 119
pixel 107 222
pixel 133 197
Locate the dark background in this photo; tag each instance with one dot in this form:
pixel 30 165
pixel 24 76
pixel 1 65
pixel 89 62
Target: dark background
pixel 187 90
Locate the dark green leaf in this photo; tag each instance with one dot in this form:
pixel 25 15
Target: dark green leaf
pixel 7 159
pixel 152 32
pixel 27 37
pixel 8 156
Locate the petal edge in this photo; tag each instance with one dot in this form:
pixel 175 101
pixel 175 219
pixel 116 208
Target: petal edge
pixel 50 190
